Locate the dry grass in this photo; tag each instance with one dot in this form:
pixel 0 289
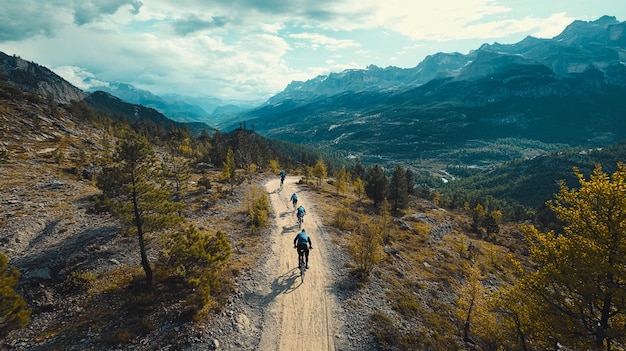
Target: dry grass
pixel 421 277
pixel 112 306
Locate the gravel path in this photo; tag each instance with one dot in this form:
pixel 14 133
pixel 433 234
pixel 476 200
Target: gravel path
pixel 301 314
pixel 271 308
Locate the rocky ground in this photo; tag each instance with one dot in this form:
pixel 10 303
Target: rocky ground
pixel 49 233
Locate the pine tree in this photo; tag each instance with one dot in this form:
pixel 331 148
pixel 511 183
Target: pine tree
pixel 138 193
pixel 366 249
pixel 320 171
pixel 176 169
pixel 359 170
pixel 376 184
pixel 398 189
pixel 470 300
pixel 579 287
pixel 274 166
pixel 229 169
pixel 200 257
pixel 384 208
pixel 218 149
pixel 478 217
pixel 359 188
pixel 342 180
pixel 410 182
pixel 308 173
pixel 492 222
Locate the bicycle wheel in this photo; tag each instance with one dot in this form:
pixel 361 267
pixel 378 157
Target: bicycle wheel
pixel 302 266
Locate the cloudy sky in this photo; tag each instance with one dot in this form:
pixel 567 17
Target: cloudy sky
pixel 251 49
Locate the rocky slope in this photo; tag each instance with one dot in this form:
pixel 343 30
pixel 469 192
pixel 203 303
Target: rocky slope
pixel 78 268
pixel 21 72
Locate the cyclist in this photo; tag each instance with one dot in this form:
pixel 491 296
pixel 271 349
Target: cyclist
pixel 300 242
pixel 300 212
pixel 294 200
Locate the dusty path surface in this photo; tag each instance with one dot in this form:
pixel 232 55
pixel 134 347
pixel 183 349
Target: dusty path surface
pixel 300 314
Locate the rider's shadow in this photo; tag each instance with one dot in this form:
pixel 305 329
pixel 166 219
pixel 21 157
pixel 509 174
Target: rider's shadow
pixel 286 283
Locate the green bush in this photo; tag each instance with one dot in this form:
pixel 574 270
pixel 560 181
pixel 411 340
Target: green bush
pixel 200 257
pixel 79 281
pixel 258 208
pixel 366 250
pixel 13 312
pixel 346 219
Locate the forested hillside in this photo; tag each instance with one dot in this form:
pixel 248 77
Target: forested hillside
pixel 529 182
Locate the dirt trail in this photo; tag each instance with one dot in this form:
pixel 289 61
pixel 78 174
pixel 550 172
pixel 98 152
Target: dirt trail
pixel 300 315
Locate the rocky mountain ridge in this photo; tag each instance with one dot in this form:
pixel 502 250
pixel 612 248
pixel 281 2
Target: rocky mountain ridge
pixel 581 46
pixel 455 108
pixel 33 78
pixel 38 79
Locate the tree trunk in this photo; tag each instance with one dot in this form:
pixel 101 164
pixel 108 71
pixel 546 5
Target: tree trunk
pixel 142 244
pixel 144 258
pixel 603 325
pixel 466 326
pixel 522 337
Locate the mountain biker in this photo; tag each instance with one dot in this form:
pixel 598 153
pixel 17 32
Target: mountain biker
pixel 300 212
pixel 300 242
pixel 294 200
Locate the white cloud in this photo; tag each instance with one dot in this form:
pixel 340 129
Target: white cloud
pixel 272 27
pixel 444 20
pixel 79 77
pixel 328 43
pixel 436 20
pixel 251 66
pixel 252 48
pixel 552 26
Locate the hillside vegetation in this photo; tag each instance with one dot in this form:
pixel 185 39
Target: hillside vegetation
pixel 82 284
pixel 136 236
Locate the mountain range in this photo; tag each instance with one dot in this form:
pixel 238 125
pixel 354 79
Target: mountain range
pixel 497 103
pixel 531 96
pixel 181 108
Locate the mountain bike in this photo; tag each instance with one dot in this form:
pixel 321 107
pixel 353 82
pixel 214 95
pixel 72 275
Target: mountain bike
pixel 300 221
pixel 301 263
